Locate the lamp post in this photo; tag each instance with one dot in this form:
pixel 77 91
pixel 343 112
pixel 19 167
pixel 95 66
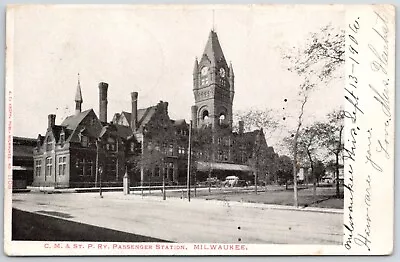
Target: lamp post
pixel 189 160
pixel 100 173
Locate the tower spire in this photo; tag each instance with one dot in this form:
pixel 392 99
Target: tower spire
pixel 213 20
pixel 78 97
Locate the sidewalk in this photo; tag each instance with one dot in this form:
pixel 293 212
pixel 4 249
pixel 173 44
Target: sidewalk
pixel 116 193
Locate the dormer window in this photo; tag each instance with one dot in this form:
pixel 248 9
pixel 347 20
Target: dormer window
pixel 49 143
pixel 132 147
pixel 110 144
pixel 84 141
pixel 62 138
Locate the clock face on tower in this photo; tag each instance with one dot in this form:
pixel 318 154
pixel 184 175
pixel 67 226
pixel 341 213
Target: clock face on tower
pixel 204 71
pixel 222 72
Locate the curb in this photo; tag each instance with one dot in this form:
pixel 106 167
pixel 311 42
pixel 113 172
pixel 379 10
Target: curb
pixel 232 203
pixel 218 202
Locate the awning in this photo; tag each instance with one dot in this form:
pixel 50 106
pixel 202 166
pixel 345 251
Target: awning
pixel 206 166
pixel 22 168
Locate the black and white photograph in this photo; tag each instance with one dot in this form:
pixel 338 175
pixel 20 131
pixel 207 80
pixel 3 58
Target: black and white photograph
pixel 199 130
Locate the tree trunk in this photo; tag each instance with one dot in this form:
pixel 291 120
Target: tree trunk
pixel 313 175
pixel 337 174
pixel 295 196
pixel 255 181
pixel 163 186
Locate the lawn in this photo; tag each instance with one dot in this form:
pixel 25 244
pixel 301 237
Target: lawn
pixel 275 195
pixel 325 198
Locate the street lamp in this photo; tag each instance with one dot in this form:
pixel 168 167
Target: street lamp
pixel 100 173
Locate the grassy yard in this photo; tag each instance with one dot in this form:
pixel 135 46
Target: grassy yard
pixel 276 195
pixel 324 198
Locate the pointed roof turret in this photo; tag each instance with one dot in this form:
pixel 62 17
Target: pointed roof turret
pixel 213 50
pixel 231 74
pixel 78 94
pixel 196 67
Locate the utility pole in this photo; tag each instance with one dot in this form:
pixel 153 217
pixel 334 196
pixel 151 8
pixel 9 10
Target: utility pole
pixel 189 160
pixel 163 182
pixel 97 163
pixel 101 172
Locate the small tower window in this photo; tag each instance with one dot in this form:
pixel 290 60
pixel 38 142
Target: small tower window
pixel 204 80
pixel 221 119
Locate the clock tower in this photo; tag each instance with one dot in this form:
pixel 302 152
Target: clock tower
pixel 213 88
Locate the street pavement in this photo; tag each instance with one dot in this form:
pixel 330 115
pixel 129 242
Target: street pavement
pixel 198 221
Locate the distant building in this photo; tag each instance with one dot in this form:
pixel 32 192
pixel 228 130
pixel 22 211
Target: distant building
pixel 22 169
pixel 149 146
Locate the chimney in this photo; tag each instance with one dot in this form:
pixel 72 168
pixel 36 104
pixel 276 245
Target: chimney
pixel 194 117
pixel 103 87
pixel 134 98
pixel 241 127
pixel 51 121
pixel 166 107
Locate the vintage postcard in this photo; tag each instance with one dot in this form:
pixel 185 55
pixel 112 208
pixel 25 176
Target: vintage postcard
pixel 199 130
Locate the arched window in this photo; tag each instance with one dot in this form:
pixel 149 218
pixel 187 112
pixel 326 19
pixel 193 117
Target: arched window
pixel 222 119
pixel 205 115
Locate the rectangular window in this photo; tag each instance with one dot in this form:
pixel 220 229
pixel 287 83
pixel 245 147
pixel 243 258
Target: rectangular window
pixel 89 167
pixel 84 140
pixel 62 138
pixel 181 150
pixel 171 150
pixel 132 147
pixel 49 143
pixel 204 81
pixel 62 165
pixel 38 167
pixel 220 157
pixel 49 165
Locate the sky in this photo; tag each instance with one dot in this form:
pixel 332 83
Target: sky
pixel 152 50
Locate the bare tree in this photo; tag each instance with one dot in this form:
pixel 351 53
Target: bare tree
pixel 322 54
pixel 257 119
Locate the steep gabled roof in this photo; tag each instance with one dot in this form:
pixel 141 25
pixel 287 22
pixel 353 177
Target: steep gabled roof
pixel 144 116
pixel 56 130
pixel 71 122
pixel 213 50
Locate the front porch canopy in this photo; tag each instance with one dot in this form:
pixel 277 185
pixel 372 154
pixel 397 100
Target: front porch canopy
pixel 207 166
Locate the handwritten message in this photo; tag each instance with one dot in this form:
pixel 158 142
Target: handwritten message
pixel 369 125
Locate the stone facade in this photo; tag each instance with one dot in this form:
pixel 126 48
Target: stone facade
pixel 148 145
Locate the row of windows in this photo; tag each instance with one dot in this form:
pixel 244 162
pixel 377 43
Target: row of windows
pixel 85 167
pixel 226 141
pixel 204 81
pixel 48 167
pixel 222 155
